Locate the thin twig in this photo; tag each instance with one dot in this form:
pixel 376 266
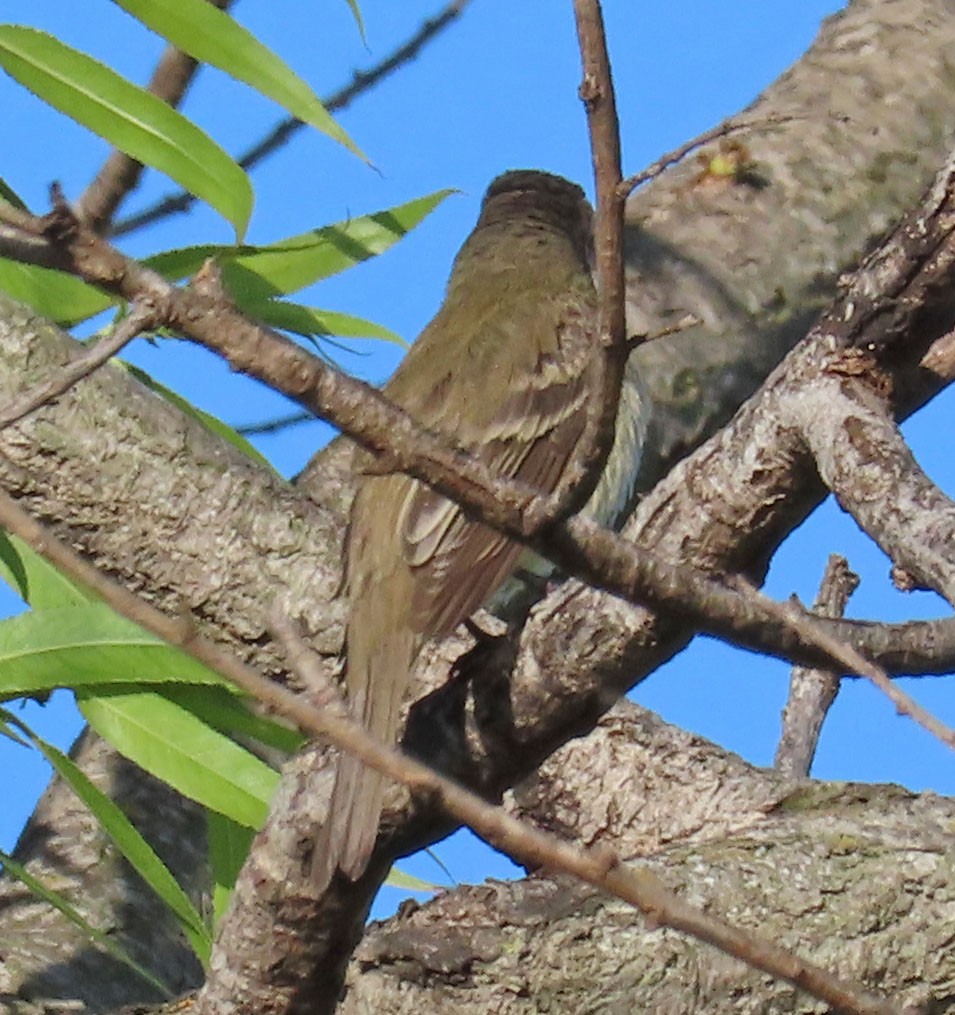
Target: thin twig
pixel 658 166
pixel 119 175
pixel 276 425
pixel 142 317
pixel 361 82
pixel 600 868
pixel 583 469
pixel 813 690
pixel 846 655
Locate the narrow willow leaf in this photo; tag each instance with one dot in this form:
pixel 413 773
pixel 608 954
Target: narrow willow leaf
pixel 256 273
pixel 359 20
pixel 211 36
pixel 105 941
pixel 172 744
pixel 85 645
pixel 210 422
pixel 229 845
pixel 54 294
pixel 222 709
pixel 128 117
pixel 399 879
pixel 7 723
pixel 134 848
pixel 11 196
pixel 35 579
pixel 314 323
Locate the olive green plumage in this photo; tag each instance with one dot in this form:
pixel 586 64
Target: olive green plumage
pixel 502 371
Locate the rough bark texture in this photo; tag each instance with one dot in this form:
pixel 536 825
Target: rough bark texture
pixel 155 500
pixel 858 878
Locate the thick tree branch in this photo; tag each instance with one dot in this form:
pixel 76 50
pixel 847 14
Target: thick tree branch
pixel 602 869
pixel 141 318
pixel 832 192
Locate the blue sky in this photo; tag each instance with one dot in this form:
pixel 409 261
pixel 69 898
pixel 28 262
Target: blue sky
pixel 496 91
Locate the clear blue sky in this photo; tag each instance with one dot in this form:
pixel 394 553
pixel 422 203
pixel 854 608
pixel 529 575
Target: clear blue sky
pixel 496 91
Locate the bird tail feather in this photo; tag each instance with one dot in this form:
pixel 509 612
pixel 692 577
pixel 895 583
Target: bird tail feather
pixel 376 682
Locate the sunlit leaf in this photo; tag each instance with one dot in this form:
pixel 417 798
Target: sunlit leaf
pixel 127 116
pixel 171 743
pixel 62 298
pixel 222 709
pixel 359 20
pixel 314 323
pixel 35 580
pixel 229 845
pixel 83 645
pixel 399 879
pixel 11 196
pixel 211 36
pixel 256 273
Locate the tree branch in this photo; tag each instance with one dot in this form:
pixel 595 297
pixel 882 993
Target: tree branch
pixel 812 691
pixel 602 869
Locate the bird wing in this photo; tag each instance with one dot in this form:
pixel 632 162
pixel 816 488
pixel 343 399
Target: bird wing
pixel 458 563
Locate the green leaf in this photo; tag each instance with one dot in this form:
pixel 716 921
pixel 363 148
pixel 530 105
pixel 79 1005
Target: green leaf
pixel 229 845
pixel 211 36
pixel 134 848
pixel 35 579
pixel 76 646
pixel 314 323
pixel 11 196
pixel 7 723
pixel 127 116
pixel 257 273
pixel 356 12
pixel 105 941
pixel 223 710
pixel 172 744
pixel 54 294
pixel 399 879
pixel 210 422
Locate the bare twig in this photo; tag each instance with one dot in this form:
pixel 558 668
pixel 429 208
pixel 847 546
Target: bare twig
pixel 142 317
pixel 361 82
pixel 277 424
pixel 660 165
pixel 600 868
pixel 848 657
pixel 591 451
pixel 119 174
pixel 812 691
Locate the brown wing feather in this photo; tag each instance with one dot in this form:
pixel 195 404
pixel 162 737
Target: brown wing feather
pixel 459 563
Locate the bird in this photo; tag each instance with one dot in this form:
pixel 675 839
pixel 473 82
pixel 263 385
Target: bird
pixel 502 372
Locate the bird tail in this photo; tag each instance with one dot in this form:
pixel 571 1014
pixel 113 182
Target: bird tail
pixel 376 682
